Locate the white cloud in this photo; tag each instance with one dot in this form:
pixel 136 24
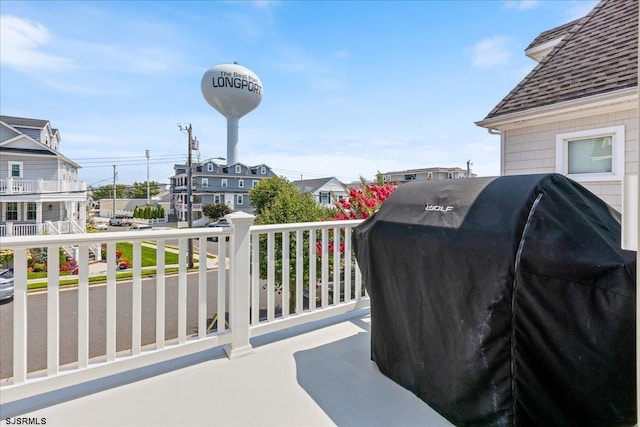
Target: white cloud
pixel 521 4
pixel 490 52
pixel 22 43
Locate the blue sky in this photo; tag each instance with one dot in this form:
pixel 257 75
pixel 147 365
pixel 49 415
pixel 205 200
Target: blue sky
pixel 350 88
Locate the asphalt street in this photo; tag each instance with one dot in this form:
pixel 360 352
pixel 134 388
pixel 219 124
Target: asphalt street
pixel 37 320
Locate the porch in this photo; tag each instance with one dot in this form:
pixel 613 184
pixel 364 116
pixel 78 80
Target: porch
pixel 315 375
pixel 295 350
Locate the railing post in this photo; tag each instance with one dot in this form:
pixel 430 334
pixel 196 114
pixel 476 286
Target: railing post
pixel 239 295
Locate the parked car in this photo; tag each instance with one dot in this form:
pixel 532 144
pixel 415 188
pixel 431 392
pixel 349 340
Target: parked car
pixel 6 284
pixel 101 226
pixel 120 220
pixel 140 227
pixel 221 223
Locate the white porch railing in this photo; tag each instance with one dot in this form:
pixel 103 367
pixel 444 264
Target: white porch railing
pixel 17 186
pixel 255 306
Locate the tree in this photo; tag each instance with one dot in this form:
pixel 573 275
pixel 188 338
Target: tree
pixel 139 190
pixel 106 192
pixel 264 194
pixel 278 201
pixel 214 212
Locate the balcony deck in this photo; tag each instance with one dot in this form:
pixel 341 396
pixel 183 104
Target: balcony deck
pixel 313 374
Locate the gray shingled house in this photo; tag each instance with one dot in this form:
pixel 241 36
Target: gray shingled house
pixel 576 112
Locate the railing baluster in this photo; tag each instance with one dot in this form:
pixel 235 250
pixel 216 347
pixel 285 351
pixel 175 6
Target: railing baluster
pixel 19 316
pixel 285 274
pixel 202 287
pixel 347 264
pixel 271 265
pixel 336 266
pixel 312 269
pixel 358 282
pixel 111 302
pixel 160 297
pixel 136 299
pixel 325 268
pixel 182 291
pixel 255 278
pixel 299 270
pixel 222 283
pixel 83 306
pixel 53 310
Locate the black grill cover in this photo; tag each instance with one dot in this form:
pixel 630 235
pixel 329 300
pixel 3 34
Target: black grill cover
pixel 503 301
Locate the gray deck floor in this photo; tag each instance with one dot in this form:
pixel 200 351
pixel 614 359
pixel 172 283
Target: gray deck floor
pixel 304 377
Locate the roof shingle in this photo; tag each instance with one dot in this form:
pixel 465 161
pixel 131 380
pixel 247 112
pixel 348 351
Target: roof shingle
pixel 599 54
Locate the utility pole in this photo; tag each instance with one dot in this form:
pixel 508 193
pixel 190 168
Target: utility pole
pixel 146 153
pixel 189 196
pixel 113 214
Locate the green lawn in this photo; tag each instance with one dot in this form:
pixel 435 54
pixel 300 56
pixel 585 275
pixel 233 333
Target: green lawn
pixel 148 254
pixel 126 249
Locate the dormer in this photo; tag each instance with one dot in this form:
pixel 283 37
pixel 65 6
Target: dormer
pixel 548 40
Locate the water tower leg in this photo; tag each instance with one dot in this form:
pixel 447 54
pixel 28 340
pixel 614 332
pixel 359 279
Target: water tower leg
pixel 232 140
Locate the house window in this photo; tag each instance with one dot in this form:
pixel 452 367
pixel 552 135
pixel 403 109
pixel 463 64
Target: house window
pixel 12 211
pixel 254 183
pixel 210 167
pixel 324 198
pixel 238 169
pixel 241 183
pixel 15 169
pixel 263 170
pixel 224 183
pixel 429 175
pixel 239 199
pixel 31 211
pixel 216 199
pixel 591 155
pixel 205 182
pixel 450 175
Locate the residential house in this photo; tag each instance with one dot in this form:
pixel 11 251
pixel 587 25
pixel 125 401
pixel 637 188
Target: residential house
pixel 576 112
pixel 39 188
pixel 215 183
pixel 323 190
pixel 425 174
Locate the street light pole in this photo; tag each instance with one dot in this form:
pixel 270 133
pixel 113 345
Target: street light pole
pixel 146 153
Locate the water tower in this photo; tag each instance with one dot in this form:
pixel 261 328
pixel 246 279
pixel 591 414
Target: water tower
pixel 234 91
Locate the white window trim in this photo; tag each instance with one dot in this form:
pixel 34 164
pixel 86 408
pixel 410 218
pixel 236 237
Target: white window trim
pixel 216 199
pixel 254 183
pixel 617 153
pixel 224 183
pixel 239 199
pixel 238 169
pixel 241 183
pixel 209 167
pixel 11 164
pixel 263 170
pixel 205 182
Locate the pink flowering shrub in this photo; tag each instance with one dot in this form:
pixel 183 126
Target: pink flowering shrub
pixel 363 202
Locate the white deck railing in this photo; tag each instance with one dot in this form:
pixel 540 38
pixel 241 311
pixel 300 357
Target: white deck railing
pixel 17 186
pixel 294 259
